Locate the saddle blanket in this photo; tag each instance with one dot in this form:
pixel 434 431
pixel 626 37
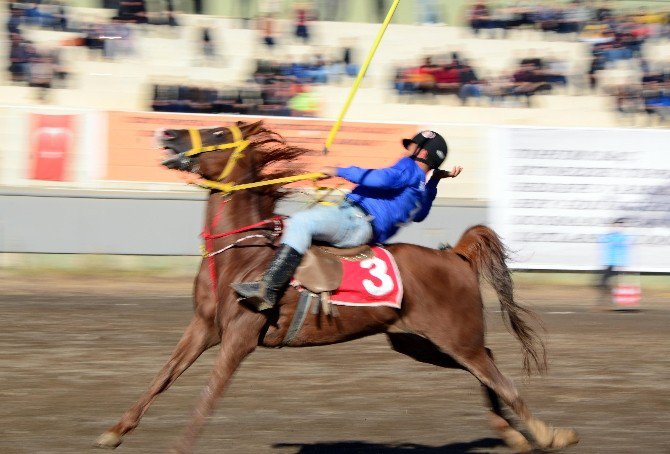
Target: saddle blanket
pixel 370 282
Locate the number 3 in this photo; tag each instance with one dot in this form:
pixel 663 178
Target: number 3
pixel 379 270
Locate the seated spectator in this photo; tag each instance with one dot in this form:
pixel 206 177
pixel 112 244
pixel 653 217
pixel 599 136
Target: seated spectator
pixel 656 97
pixel 447 80
pixel 301 25
pixel 480 17
pixel 470 85
pixel 18 58
pixel 134 11
pixel 266 26
pixel 402 82
pixel 226 101
pixel 41 74
pixel 304 103
pixel 348 60
pixel 14 21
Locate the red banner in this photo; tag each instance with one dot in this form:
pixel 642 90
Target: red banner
pixel 51 144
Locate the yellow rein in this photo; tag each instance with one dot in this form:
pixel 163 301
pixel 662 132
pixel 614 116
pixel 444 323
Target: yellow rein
pixel 239 144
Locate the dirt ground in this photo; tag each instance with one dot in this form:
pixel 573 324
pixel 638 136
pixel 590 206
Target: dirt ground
pixel 76 352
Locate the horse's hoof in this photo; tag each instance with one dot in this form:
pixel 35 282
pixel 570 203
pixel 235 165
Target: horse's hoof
pixel 564 438
pixel 108 440
pixel 515 440
pixel 542 433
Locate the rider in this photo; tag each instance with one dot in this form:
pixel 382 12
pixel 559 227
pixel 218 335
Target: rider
pixel 383 200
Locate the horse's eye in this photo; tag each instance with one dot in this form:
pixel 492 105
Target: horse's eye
pixel 219 133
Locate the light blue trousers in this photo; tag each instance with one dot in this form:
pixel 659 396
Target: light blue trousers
pixel 342 226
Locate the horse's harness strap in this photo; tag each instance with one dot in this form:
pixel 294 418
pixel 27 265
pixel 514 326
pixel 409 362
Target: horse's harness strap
pixel 301 310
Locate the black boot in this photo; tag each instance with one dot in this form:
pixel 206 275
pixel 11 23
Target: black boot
pixel 262 295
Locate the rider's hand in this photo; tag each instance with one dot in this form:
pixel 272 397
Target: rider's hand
pixel 330 171
pixel 438 174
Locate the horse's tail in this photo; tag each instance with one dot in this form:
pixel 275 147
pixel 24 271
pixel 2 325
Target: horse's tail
pixel 486 253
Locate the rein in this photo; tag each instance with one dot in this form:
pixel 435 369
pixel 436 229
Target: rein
pixel 239 144
pixel 208 251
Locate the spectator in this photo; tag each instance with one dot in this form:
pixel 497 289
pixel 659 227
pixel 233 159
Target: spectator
pixel 351 68
pixel 614 258
pixel 134 11
pixel 304 103
pixel 301 26
pixel 266 26
pixel 18 58
pixel 14 21
pixel 207 44
pixel 469 84
pixel 41 74
pixel 479 17
pixel 427 12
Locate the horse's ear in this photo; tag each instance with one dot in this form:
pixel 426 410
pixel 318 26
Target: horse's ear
pixel 250 129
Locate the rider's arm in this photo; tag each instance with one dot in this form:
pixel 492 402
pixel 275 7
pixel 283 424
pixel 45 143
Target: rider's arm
pixel 428 196
pixel 389 177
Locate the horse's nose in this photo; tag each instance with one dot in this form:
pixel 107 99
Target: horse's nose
pixel 168 134
pixel 162 135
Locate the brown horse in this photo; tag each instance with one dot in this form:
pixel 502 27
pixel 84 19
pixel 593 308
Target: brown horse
pixel 441 321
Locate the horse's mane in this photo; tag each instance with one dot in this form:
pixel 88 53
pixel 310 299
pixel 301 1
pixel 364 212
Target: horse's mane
pixel 274 158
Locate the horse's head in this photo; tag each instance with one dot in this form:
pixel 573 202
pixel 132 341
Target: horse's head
pixel 204 151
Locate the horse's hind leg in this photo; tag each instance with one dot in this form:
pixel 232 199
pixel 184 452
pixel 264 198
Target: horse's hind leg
pixel 499 422
pixel 481 365
pixel 198 337
pixel 423 350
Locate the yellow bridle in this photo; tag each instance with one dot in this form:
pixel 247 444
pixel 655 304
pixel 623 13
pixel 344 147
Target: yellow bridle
pixel 239 144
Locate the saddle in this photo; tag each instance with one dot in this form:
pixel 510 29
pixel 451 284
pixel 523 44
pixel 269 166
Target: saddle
pixel 321 269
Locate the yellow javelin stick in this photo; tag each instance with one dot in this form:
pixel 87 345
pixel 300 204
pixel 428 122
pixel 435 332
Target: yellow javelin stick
pixel 359 77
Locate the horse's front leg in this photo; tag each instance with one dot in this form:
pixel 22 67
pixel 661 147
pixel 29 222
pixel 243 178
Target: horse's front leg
pixel 198 337
pixel 239 338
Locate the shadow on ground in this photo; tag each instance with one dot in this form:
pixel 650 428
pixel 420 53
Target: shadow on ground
pixel 483 445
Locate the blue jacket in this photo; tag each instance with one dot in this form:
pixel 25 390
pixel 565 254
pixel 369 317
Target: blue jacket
pixel 616 247
pixel 393 196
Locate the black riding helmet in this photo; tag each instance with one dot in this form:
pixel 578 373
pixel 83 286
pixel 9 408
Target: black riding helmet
pixel 433 143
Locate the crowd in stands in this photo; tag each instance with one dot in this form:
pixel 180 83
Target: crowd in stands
pixel 577 18
pixel 28 64
pixel 650 96
pixel 279 87
pixel 282 98
pixel 455 76
pixel 274 88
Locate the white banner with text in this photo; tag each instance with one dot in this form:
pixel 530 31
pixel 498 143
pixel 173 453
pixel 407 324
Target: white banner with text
pixel 555 192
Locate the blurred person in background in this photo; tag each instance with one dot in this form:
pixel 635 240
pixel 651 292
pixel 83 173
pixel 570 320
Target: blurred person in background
pixel 117 39
pixel 302 16
pixel 14 20
pixel 615 257
pixel 41 74
pixel 18 58
pixel 267 27
pixel 427 12
pixel 207 44
pixel 470 85
pixel 304 103
pixel 479 17
pixel 134 11
pixel 349 58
